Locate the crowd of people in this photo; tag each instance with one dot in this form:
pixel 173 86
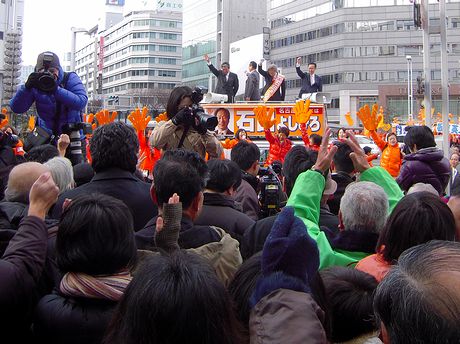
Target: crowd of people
pixel 98 253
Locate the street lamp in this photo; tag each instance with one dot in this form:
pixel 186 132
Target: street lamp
pixel 410 95
pixel 74 30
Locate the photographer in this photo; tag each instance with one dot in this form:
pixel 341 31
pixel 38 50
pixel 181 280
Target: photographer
pixel 188 126
pixel 59 98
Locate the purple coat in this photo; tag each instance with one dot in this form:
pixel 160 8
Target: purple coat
pixel 428 166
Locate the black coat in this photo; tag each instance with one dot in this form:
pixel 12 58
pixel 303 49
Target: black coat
pixel 60 319
pixel 307 87
pixel 280 93
pixel 252 86
pixel 122 185
pixel 342 179
pixel 221 211
pixel 20 269
pixel 224 86
pixel 190 235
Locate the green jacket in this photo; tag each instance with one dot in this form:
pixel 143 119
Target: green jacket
pixel 305 199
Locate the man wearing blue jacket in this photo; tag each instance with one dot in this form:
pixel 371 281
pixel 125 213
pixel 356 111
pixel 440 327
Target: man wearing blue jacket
pixel 59 98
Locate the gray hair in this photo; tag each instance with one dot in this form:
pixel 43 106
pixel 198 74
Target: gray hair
pixel 419 299
pixel 364 205
pixel 62 172
pixel 272 66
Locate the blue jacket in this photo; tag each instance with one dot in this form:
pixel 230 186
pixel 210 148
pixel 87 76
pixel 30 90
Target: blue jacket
pixel 73 99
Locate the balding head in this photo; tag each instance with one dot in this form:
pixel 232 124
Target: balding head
pixel 21 179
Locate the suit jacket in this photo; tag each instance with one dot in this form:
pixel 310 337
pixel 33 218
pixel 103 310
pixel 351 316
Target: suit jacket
pixel 122 185
pixel 307 87
pixel 252 86
pixel 223 86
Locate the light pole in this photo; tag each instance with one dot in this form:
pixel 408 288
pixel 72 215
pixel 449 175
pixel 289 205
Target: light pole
pixel 410 94
pixel 74 30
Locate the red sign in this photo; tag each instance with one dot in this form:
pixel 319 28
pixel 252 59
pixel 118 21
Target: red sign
pixel 101 54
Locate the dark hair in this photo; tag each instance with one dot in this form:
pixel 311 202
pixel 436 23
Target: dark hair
pixel 175 299
pixel 82 173
pixel 316 139
pixel 253 64
pixel 341 159
pixel 392 134
pixel 367 149
pixel 223 174
pixel 245 154
pixel 42 153
pixel 114 145
pixel 243 285
pixel 421 136
pixel 176 96
pixel 227 113
pixel 174 173
pixel 284 130
pixel 350 294
pixel 312 63
pixel 418 300
pixel 189 157
pixel 417 218
pixel 299 159
pixel 225 64
pixel 238 132
pixel 95 236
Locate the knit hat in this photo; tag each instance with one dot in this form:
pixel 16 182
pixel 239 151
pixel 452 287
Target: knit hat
pixel 47 60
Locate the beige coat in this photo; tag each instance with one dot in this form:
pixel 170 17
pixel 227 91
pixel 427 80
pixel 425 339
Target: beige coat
pixel 167 136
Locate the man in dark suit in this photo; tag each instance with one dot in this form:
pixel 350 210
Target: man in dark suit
pixel 114 149
pixel 252 91
pixel 311 82
pixel 227 82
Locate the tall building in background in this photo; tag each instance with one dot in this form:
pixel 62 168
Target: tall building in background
pixel 11 22
pixel 136 61
pixel 360 47
pixel 209 28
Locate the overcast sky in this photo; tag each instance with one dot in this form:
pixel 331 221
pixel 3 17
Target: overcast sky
pixel 47 24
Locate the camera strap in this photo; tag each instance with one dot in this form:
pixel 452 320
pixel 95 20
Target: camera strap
pixel 184 134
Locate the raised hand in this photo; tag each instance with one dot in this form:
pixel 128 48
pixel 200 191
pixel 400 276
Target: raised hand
pixel 299 60
pixel 104 117
pixel 63 143
pixel 264 116
pixel 324 159
pixel 138 119
pixel 162 117
pixel 206 58
pixel 358 156
pixel 370 120
pixel 302 111
pixel 42 195
pixel 168 225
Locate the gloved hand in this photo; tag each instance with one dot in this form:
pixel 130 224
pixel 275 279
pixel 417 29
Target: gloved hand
pixel 138 119
pixel 302 111
pixel 32 80
pixel 290 258
pixel 168 225
pixel 264 115
pixel 370 120
pixel 184 117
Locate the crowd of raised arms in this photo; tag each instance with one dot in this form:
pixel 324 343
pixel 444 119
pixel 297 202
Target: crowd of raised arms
pixel 153 236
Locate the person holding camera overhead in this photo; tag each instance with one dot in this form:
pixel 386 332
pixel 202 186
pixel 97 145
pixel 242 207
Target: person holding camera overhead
pixel 59 98
pixel 188 127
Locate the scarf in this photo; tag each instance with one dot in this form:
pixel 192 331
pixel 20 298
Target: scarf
pixel 276 83
pixel 109 287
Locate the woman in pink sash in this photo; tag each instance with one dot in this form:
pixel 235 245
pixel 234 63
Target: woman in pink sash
pixel 275 85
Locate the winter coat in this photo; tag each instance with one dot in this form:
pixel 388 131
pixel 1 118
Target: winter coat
pixel 342 179
pixel 224 86
pixel 72 99
pixel 277 150
pixel 190 235
pixel 221 211
pixel 280 93
pixel 246 196
pixel 427 165
pixel 391 155
pixel 122 185
pixel 305 199
pixel 62 319
pixel 375 266
pixel 20 270
pixel 287 316
pixel 167 135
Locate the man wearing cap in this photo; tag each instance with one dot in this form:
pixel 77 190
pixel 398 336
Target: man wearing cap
pixel 59 98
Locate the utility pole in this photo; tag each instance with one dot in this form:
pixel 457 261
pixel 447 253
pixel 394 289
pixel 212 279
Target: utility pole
pixel 444 78
pixel 426 60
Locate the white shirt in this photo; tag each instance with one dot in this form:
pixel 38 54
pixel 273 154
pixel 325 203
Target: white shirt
pixel 312 79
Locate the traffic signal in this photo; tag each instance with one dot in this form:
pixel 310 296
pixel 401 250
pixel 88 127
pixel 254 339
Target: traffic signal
pixel 113 100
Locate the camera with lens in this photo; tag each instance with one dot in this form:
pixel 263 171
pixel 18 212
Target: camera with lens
pixel 270 189
pixel 203 120
pixel 77 126
pixel 46 81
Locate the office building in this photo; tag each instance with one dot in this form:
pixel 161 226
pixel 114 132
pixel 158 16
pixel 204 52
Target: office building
pixel 360 47
pixel 209 28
